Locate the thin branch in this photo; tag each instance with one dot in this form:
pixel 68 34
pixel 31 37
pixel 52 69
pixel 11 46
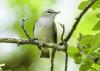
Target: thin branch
pixel 79 18
pixel 63 27
pixel 74 27
pixel 23 22
pixel 53 49
pixel 32 42
pixel 66 56
pixel 65 46
pixel 66 61
pixel 52 58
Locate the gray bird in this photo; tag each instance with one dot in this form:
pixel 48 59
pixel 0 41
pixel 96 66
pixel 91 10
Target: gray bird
pixel 45 30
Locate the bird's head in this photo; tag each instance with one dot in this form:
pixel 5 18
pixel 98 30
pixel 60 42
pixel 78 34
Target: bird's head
pixel 50 11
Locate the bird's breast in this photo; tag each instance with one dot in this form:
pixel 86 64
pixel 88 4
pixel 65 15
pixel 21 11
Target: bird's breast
pixel 44 30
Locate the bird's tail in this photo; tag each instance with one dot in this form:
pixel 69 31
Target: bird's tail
pixel 45 53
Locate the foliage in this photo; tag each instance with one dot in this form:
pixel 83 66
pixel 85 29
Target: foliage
pixel 84 3
pixel 88 45
pixel 97 26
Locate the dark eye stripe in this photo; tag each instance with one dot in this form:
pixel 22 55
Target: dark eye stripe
pixel 50 12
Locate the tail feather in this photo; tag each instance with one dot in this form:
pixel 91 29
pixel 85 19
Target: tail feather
pixel 45 53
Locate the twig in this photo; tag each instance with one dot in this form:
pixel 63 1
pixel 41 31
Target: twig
pixel 33 42
pixel 73 29
pixel 23 22
pixel 65 46
pixel 78 19
pixel 52 58
pixel 63 27
pixel 66 56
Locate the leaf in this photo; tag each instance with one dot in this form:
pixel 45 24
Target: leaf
pixel 97 26
pixel 93 42
pixel 78 60
pixel 72 51
pixel 98 62
pixel 86 40
pixel 84 67
pixel 98 15
pixel 96 66
pixel 82 5
pixel 86 63
pixel 86 50
pixel 75 53
pixel 96 5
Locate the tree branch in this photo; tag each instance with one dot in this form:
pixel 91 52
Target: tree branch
pixel 78 19
pixel 73 29
pixel 52 58
pixel 66 56
pixel 23 22
pixel 63 27
pixel 32 42
pixel 65 44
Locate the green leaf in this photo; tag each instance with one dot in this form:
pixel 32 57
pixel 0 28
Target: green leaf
pixel 86 40
pixel 72 51
pixel 96 66
pixel 90 41
pixel 97 26
pixel 86 50
pixel 96 5
pixel 98 15
pixel 84 67
pixel 98 62
pixel 82 5
pixel 95 43
pixel 78 60
pixel 86 63
pixel 97 52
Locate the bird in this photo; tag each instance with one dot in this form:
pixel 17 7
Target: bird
pixel 45 30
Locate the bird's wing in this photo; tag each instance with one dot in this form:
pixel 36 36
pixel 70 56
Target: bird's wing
pixel 54 49
pixel 55 32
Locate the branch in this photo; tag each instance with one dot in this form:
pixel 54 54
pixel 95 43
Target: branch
pixel 65 45
pixel 52 58
pixel 63 27
pixel 23 22
pixel 73 29
pixel 66 60
pixel 78 19
pixel 32 42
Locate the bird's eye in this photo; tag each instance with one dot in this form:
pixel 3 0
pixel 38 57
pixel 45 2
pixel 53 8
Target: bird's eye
pixel 50 12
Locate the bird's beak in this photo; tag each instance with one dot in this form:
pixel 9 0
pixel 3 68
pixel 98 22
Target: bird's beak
pixel 57 12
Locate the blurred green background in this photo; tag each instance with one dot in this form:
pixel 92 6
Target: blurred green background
pixel 27 57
